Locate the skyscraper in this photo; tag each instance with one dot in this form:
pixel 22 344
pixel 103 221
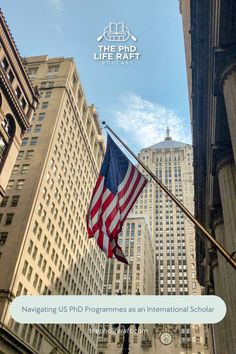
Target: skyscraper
pixel 136 278
pixel 46 248
pixel 173 235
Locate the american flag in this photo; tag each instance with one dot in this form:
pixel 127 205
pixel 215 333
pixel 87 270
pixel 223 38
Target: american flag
pixel 118 187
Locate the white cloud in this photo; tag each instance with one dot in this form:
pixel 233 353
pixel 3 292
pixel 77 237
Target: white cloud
pixel 145 122
pixel 58 4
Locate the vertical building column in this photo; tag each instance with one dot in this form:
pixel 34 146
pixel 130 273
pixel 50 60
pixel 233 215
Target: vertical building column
pixel 219 268
pixel 229 90
pixel 226 235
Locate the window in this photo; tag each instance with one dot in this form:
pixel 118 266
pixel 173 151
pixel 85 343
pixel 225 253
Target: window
pixel 25 169
pixel 3 238
pixel 48 94
pixel 15 169
pixel 30 271
pixel 20 155
pixel 5 64
pixel 53 69
pixel 50 84
pixel 20 184
pixel 19 289
pixel 3 147
pixel 32 71
pixel 29 154
pixel 34 141
pixel 10 76
pixel 44 105
pixel 24 141
pixel 23 103
pixel 10 185
pixel 41 116
pixel 30 246
pixel 4 202
pixel 37 128
pixel 25 266
pixel 18 92
pixel 29 333
pixel 9 218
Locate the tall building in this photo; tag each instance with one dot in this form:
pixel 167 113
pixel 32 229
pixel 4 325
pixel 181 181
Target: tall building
pixel 136 278
pixel 18 101
pixel 46 249
pixel 174 239
pixel 212 81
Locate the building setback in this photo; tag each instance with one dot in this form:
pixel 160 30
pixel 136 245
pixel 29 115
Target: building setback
pixel 46 249
pixel 210 43
pixel 174 238
pixel 18 101
pixel 136 278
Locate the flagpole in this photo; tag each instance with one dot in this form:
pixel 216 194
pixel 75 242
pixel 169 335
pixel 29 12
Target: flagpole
pixel 209 237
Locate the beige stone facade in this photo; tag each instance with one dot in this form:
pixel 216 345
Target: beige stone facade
pixel 138 277
pixel 47 250
pixel 174 237
pixel 17 103
pixel 212 82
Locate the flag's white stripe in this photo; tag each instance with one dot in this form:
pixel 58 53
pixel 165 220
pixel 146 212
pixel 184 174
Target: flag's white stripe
pixel 123 183
pixel 106 194
pixel 115 221
pixel 98 213
pixel 105 240
pixel 98 193
pixel 96 234
pixel 111 206
pixel 137 190
pixel 109 209
pixel 126 195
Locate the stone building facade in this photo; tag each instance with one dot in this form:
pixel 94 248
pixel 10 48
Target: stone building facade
pixel 46 249
pixel 17 103
pixel 172 162
pixel 210 42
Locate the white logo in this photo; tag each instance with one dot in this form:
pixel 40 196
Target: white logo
pixel 119 53
pixel 116 32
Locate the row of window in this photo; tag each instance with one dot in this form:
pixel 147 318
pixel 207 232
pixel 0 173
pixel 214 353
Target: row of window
pixel 32 141
pixel 11 77
pixel 13 201
pixel 18 184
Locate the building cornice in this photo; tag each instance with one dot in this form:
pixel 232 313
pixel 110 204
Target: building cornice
pixel 15 50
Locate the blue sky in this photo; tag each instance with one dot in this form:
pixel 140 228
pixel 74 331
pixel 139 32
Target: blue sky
pixel 137 100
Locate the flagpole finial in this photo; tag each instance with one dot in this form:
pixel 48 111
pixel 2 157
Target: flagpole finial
pixel 104 123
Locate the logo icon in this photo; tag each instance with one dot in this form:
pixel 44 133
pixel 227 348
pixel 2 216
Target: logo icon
pixel 116 32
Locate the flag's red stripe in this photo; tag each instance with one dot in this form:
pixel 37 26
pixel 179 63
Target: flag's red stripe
pixel 97 206
pixel 128 182
pixel 111 216
pixel 107 202
pixel 123 207
pixel 131 206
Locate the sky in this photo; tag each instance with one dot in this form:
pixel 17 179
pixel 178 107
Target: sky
pixel 138 100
